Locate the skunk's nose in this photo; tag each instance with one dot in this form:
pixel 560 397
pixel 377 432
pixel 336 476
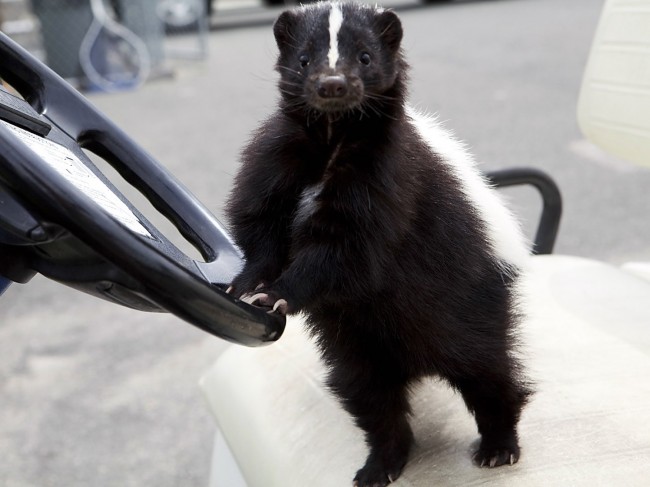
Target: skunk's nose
pixel 332 86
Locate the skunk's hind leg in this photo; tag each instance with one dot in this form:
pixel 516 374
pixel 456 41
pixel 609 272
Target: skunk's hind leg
pixel 380 408
pixel 496 400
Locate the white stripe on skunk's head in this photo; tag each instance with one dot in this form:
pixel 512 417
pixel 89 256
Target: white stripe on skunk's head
pixel 337 56
pixel 335 21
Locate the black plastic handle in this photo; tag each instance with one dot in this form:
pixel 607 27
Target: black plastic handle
pixel 549 221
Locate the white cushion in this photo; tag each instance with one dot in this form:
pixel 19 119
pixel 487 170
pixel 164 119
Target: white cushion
pixel 587 345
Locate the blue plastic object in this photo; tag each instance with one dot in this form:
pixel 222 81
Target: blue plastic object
pixel 4 284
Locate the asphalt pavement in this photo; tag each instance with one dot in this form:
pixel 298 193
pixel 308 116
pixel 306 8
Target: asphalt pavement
pixel 97 395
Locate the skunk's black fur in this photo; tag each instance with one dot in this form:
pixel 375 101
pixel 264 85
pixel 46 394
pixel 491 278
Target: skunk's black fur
pixel 343 210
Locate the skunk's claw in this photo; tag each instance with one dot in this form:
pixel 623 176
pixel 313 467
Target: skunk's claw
pixel 231 290
pixel 280 306
pixel 495 458
pixel 264 300
pixel 254 299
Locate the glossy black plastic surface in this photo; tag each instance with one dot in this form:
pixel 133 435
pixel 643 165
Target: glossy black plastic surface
pixel 48 225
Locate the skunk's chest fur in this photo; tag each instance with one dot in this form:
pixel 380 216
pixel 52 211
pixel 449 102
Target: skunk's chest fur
pixel 374 221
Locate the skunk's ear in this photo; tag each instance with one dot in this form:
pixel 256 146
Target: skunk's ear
pixel 389 28
pixel 284 28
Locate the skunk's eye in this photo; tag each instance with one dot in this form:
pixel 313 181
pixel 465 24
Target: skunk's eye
pixel 304 60
pixel 364 58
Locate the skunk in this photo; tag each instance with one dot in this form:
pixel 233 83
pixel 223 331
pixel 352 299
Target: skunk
pixel 369 218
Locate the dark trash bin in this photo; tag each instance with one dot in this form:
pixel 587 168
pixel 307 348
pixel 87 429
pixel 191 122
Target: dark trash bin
pixel 126 36
pixel 64 24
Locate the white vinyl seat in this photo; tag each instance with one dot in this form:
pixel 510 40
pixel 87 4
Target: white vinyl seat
pixel 587 347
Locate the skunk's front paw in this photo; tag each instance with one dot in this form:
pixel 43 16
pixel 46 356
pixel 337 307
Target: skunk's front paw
pixel 268 300
pixel 233 290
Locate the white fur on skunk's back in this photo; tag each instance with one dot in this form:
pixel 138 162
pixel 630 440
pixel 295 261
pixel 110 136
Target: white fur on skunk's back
pixel 507 242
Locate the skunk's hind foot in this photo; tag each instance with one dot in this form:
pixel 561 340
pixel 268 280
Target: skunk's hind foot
pixel 495 457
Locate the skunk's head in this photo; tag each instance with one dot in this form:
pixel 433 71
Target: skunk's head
pixel 338 58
